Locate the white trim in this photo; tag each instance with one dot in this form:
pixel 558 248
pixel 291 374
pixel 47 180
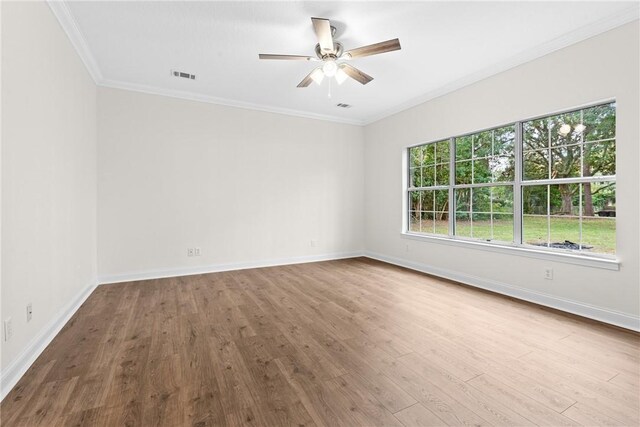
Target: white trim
pixel 514 249
pixel 188 271
pixel 70 27
pixel 595 28
pixel 223 101
pixel 17 368
pixel 616 318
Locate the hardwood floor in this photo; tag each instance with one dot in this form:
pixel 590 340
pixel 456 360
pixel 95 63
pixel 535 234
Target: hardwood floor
pixel 340 343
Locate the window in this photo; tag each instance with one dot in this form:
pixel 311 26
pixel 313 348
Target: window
pixel 545 183
pixel 429 173
pixel 483 194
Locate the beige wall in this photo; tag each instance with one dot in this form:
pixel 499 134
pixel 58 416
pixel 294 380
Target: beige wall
pixel 244 186
pixel 48 173
pixel 599 68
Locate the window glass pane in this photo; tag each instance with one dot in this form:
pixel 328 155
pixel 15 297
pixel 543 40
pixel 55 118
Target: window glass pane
pixel 463 200
pixel 481 171
pixel 463 172
pixel 582 144
pixel 503 141
pixel 428 154
pixel 426 201
pixel 442 226
pixel 415 175
pixel 415 157
pixel 599 217
pixel 463 148
pixel 564 221
pixel 502 169
pixel 492 218
pixel 565 162
pixel 414 222
pixel 414 200
pixel 493 157
pixel 599 122
pixel 503 227
pixel 536 165
pixel 442 152
pixel 426 222
pixel 502 199
pixel 564 200
pixel 481 226
pixel 534 219
pixel 562 128
pixel 564 232
pixel 463 224
pixel 535 135
pixel 442 174
pixel 428 178
pixel 441 212
pixel 482 200
pixel 463 214
pixel 482 144
pixel 599 158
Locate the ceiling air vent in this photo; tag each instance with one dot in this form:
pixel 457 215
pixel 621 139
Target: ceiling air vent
pixel 341 105
pixel 183 75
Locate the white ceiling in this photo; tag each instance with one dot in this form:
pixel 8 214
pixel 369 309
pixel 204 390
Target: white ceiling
pixel 445 45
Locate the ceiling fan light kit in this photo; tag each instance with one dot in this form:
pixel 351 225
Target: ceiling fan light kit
pixel 330 52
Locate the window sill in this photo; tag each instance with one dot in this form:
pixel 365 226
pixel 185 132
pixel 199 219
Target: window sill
pixel 603 262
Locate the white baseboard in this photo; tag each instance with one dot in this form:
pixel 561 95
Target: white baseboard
pixel 585 310
pixel 188 271
pixel 36 346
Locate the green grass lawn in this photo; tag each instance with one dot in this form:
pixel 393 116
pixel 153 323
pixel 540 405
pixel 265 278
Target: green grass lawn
pixel 597 232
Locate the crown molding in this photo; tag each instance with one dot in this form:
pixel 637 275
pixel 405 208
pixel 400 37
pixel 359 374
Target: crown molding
pixel 70 27
pixel 583 33
pixel 190 96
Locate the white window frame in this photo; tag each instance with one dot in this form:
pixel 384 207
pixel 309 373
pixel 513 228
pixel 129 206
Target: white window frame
pixel 518 247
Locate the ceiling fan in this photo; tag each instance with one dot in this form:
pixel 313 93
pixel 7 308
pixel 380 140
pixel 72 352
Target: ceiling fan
pixel 330 52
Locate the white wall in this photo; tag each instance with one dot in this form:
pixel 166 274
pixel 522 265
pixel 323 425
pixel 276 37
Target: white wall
pixel 247 187
pixel 48 175
pixel 600 68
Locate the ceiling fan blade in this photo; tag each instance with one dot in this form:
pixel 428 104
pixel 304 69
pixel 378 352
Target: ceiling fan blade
pixel 307 80
pixel 374 49
pixel 322 27
pixel 294 57
pixel 356 74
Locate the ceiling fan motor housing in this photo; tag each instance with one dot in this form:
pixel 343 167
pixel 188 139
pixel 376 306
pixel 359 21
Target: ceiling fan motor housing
pixel 337 51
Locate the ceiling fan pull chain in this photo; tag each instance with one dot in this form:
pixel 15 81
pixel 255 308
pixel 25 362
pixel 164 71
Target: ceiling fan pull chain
pixel 329 94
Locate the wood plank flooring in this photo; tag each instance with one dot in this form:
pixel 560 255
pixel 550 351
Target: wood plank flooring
pixel 341 343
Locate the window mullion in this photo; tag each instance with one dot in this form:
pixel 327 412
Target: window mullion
pixel 517 186
pixel 452 180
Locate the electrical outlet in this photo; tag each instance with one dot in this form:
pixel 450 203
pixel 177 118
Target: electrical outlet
pixel 197 252
pixel 190 251
pixel 314 243
pixel 29 312
pixel 407 248
pixel 548 273
pixel 8 329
